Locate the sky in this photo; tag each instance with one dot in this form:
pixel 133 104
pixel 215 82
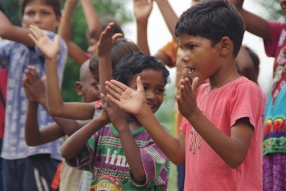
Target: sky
pixel 159 35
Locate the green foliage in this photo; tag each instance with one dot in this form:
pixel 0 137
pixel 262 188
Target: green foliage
pixel 271 10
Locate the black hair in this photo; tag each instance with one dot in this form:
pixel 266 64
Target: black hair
pixel 116 28
pixel 213 19
pixel 134 64
pixel 121 48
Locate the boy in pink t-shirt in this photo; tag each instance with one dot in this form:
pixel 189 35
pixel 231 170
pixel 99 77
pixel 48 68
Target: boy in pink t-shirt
pixel 220 138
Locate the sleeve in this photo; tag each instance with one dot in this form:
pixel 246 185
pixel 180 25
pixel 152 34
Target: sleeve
pixel 62 55
pixel 85 160
pixel 246 102
pixel 170 49
pixel 275 32
pixel 156 166
pixel 5 52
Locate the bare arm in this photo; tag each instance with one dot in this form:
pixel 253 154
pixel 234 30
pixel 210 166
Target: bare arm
pixel 254 24
pixel 93 22
pixel 232 149
pixel 76 142
pixel 172 147
pixel 14 33
pixel 56 106
pixel 35 91
pixel 169 15
pixel 74 51
pixel 142 11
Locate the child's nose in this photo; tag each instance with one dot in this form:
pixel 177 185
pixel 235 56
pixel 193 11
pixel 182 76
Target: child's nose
pixel 184 58
pixel 150 95
pixel 38 18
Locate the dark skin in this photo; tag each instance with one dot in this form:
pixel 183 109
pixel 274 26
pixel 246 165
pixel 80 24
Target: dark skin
pixel 35 91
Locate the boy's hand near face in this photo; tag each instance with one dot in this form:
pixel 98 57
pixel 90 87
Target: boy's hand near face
pixel 116 115
pixel 48 47
pixel 187 97
pixel 132 101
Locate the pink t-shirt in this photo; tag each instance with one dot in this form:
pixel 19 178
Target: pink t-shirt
pixel 205 170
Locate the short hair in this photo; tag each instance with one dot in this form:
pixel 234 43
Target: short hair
pixel 213 19
pixel 55 4
pixel 134 64
pixel 121 48
pixel 93 64
pixel 254 57
pixel 116 28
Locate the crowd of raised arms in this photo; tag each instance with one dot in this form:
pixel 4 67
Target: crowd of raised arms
pixel 228 135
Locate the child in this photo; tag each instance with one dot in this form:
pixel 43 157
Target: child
pixel 220 135
pixel 87 87
pixel 125 158
pixel 121 48
pixel 169 54
pixel 274 153
pixel 28 168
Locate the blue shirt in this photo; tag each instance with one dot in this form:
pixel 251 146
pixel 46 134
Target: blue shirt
pixel 16 57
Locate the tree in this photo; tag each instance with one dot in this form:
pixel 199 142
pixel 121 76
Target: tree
pixel 104 8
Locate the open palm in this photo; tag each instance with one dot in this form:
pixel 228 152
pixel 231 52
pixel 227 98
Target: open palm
pixel 48 47
pixel 132 101
pixel 142 9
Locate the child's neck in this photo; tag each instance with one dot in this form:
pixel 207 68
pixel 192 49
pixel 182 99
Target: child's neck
pixel 133 123
pixel 224 76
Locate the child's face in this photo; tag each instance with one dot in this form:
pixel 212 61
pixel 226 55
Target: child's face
pixel 92 46
pixel 90 88
pixel 41 15
pixel 283 5
pixel 154 86
pixel 200 58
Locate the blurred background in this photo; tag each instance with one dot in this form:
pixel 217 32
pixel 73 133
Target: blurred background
pixel 158 36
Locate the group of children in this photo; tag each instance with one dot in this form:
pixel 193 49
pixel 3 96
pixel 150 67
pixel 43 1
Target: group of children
pixel 113 141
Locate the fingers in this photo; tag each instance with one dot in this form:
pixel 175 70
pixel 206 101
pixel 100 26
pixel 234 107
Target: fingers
pixel 140 86
pixel 57 40
pixel 36 32
pixel 116 36
pixel 115 87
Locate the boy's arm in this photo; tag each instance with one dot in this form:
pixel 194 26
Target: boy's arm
pixel 56 106
pixel 142 11
pixel 74 51
pixel 76 142
pixel 131 150
pixel 93 22
pixel 35 92
pixel 254 24
pixel 104 47
pixel 135 102
pixel 169 15
pixel 14 33
pixel 232 149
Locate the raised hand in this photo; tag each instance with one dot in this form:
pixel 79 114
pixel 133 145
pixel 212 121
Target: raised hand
pixel 132 101
pixel 106 41
pixel 48 47
pixel 34 86
pixel 187 97
pixel 116 115
pixel 142 9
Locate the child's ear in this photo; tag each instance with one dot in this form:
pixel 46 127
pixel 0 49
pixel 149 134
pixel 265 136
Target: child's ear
pixel 226 46
pixel 78 88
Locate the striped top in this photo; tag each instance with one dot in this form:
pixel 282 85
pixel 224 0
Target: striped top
pixel 109 165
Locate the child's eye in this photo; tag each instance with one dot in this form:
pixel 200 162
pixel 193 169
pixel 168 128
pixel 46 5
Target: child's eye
pixel 30 13
pixel 161 90
pixel 45 13
pixel 192 47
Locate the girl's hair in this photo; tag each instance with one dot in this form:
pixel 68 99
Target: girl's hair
pixel 121 48
pixel 2 8
pixel 116 28
pixel 55 4
pixel 134 64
